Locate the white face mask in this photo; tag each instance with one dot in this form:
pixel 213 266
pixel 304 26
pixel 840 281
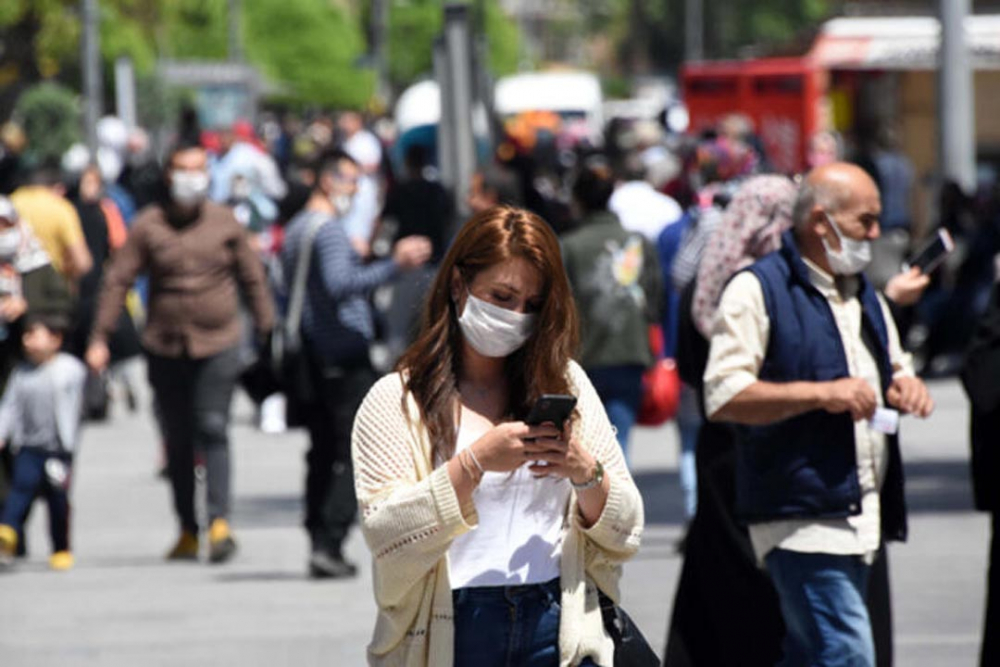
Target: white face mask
pixel 853 256
pixel 493 331
pixel 188 188
pixel 342 203
pixel 10 243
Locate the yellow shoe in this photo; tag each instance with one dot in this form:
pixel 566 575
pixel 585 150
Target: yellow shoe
pixel 8 544
pixel 221 545
pixel 186 547
pixel 61 561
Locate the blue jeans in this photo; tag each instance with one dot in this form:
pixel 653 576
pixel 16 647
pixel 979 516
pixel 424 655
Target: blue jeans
pixel 823 602
pixel 33 473
pixel 689 425
pixel 620 390
pixel 508 626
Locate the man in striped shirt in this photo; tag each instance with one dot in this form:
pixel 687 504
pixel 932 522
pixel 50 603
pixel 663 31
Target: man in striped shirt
pixel 337 328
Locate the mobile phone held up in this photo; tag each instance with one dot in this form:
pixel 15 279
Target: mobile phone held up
pixel 555 408
pixel 932 254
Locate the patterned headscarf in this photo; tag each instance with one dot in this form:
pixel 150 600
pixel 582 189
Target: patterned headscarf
pixel 751 227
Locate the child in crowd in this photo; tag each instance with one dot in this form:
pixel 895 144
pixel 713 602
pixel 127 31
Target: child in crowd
pixel 40 418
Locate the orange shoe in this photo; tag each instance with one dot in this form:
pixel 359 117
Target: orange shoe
pixel 221 545
pixel 61 561
pixel 8 545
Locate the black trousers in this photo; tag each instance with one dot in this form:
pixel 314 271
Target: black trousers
pixel 331 504
pixel 194 398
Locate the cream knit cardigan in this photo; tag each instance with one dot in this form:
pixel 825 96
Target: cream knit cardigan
pixel 410 514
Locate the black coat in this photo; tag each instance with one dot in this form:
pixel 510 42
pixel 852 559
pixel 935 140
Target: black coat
pixel 981 378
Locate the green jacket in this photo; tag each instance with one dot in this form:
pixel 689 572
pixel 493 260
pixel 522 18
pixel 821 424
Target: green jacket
pixel 618 286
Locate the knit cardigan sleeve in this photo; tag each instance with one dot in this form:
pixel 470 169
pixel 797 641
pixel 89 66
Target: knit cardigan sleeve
pixel 616 535
pixel 410 513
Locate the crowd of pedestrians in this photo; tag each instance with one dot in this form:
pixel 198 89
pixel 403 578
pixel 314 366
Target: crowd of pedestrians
pixel 781 298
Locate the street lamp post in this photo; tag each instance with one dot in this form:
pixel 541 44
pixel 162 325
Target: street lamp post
pixel 91 72
pixel 957 150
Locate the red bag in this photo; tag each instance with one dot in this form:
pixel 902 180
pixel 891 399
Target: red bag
pixel 661 386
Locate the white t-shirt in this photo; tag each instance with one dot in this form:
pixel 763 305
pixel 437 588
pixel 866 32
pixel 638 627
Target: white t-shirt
pixel 520 532
pixel 365 148
pixel 642 209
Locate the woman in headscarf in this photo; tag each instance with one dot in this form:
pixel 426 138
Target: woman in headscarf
pixel 725 609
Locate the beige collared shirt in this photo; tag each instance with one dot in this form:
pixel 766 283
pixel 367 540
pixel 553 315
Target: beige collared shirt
pixel 739 343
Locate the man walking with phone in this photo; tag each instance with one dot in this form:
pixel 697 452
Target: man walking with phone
pixel 806 360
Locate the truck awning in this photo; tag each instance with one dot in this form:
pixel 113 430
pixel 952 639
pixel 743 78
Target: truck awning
pixel 900 43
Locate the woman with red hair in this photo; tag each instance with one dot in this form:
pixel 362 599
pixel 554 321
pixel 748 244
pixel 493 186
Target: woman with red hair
pixel 492 538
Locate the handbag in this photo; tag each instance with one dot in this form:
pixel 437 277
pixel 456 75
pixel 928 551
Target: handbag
pixel 661 386
pixel 283 364
pixel 631 647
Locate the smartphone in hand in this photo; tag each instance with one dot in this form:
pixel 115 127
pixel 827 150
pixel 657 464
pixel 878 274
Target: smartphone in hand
pixel 932 254
pixel 554 408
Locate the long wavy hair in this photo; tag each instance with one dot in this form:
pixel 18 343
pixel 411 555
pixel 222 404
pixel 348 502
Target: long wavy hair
pixel 432 364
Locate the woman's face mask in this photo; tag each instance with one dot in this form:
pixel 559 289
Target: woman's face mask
pixel 493 331
pixel 853 256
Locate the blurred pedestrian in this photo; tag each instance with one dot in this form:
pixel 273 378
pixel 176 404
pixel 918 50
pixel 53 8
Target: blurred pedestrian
pixel 639 207
pixel 493 540
pixel 366 150
pixel 337 328
pixel 980 378
pixel 42 204
pixel 199 259
pixel 805 359
pixel 494 185
pixel 725 608
pixel 416 206
pixel 39 420
pixel 28 285
pixel 617 284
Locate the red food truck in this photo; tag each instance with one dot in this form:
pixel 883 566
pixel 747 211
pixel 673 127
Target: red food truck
pixel 785 98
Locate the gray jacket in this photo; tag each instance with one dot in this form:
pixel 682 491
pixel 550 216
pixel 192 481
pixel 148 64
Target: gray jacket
pixel 42 405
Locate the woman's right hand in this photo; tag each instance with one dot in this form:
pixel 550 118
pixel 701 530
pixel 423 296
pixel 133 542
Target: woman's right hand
pixel 507 446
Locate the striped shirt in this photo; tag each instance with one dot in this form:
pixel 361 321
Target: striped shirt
pixel 337 320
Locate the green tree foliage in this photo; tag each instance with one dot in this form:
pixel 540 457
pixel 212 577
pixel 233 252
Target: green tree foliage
pixel 310 49
pixel 414 25
pixel 50 116
pixel 650 33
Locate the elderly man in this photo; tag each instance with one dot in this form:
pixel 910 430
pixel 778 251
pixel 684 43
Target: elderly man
pixel 806 361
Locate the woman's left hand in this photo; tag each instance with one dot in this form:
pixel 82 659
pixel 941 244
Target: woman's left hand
pixel 563 457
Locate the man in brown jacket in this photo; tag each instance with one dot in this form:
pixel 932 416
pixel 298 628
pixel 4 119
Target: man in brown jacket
pixel 198 260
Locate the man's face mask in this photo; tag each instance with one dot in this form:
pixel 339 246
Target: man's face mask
pixel 188 188
pixel 853 256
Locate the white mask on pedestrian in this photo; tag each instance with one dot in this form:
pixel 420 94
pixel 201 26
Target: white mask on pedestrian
pixel 852 258
pixel 188 188
pixel 10 243
pixel 493 331
pixel 342 203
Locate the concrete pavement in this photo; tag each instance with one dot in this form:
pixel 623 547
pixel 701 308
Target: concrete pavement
pixel 123 605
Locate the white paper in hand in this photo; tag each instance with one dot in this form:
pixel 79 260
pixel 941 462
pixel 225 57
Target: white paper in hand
pixel 885 421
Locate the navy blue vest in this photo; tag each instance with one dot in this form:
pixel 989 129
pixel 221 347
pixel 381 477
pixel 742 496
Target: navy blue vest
pixel 806 466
